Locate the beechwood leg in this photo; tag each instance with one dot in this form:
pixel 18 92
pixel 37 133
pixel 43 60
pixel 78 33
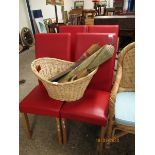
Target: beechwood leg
pixel 101 144
pixel 109 133
pixel 64 130
pixel 26 124
pixel 58 122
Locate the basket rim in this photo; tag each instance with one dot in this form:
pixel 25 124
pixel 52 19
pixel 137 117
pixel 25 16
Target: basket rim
pixel 48 58
pixel 56 83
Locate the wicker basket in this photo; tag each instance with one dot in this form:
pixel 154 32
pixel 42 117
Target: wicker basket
pixel 68 91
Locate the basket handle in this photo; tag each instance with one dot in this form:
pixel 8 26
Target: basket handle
pixel 38 68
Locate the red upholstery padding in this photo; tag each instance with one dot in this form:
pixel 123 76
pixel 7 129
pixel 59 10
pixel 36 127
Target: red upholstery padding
pixel 103 79
pixel 38 102
pixel 53 45
pixel 103 29
pixel 73 29
pixel 92 108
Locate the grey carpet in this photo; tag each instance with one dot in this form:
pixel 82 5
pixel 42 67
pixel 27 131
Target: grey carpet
pixel 81 137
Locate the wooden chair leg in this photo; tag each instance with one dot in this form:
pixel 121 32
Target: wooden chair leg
pixel 64 130
pixel 58 122
pixel 101 144
pixel 26 124
pixel 109 133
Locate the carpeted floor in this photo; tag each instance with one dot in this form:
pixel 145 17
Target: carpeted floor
pixel 81 137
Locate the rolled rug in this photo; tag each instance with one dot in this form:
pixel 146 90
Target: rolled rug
pixel 106 53
pixel 90 63
pixel 92 49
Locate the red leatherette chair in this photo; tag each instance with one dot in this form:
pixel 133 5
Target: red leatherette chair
pixel 53 45
pixel 103 29
pixel 73 29
pixel 37 101
pixel 93 107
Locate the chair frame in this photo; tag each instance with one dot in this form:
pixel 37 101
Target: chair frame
pixel 112 124
pixel 24 115
pixel 100 146
pixel 102 134
pixel 28 130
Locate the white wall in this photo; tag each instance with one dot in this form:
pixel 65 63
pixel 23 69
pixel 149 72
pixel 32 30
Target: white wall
pixel 88 4
pixel 48 11
pixel 23 15
pixel 68 5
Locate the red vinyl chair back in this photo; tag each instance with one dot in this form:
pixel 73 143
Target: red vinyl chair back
pixel 73 29
pixel 104 77
pixel 103 29
pixel 54 45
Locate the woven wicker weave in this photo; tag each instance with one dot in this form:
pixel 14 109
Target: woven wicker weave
pixel 68 91
pixel 128 70
pixel 125 81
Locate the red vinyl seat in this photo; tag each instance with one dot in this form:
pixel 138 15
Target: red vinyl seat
pixel 93 107
pixel 37 101
pixel 73 29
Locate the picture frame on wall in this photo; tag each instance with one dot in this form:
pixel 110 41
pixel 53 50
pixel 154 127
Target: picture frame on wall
pixel 78 4
pixel 55 2
pixel 40 25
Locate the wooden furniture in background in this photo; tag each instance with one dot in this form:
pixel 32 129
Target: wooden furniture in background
pixel 100 9
pixel 55 3
pixel 53 28
pixel 47 22
pixel 75 17
pixel 65 17
pixel 89 13
pixel 76 11
pixel 95 3
pixel 26 39
pixel 126 26
pixel 118 5
pixel 88 16
pixel 109 11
